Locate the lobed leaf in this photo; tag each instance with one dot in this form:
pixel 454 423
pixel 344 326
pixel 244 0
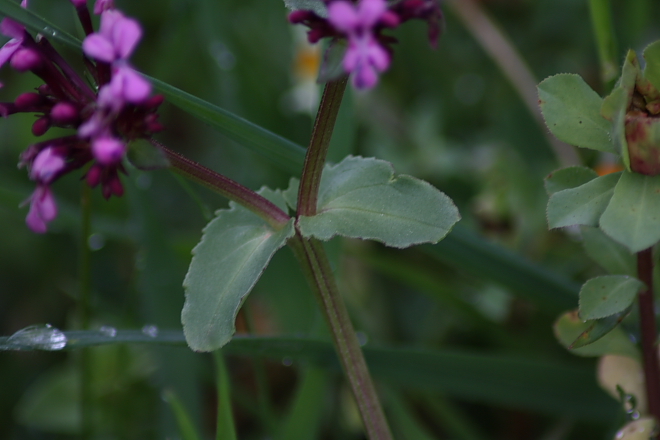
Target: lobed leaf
pixel 633 215
pixel 235 249
pixel 362 198
pixel 604 296
pixel 583 205
pixel 572 112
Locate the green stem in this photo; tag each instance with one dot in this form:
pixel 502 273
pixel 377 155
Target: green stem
pixel 225 429
pixel 226 187
pixel 601 19
pixel 315 265
pixel 318 146
pixel 84 294
pixel 649 332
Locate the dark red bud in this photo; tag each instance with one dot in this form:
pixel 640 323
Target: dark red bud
pixel 28 101
pixel 41 126
pixel 93 177
pixel 154 102
pixel 299 16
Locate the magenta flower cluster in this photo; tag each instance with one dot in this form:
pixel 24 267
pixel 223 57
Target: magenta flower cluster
pixel 105 120
pixel 361 24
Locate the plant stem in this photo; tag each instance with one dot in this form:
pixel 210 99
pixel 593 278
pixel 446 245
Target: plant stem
pixel 318 146
pixel 84 314
pixel 648 330
pixel 316 266
pixel 226 187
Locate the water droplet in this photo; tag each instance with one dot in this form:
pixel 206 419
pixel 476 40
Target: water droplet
pixel 287 361
pixel 362 338
pixel 40 337
pixel 48 31
pixel 150 330
pixel 108 331
pixel 96 242
pixel 143 181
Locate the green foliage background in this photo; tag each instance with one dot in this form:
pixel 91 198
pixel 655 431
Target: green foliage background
pixel 474 312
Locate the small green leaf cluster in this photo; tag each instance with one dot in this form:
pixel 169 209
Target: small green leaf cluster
pixel 619 212
pixel 358 198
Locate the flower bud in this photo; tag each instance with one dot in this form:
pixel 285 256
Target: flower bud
pixel 64 113
pixel 41 126
pixel 25 59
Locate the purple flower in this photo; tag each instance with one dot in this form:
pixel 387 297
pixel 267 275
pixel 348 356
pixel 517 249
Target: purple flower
pixel 362 23
pixel 106 121
pixel 46 166
pixel 116 38
pixel 42 209
pixel 365 57
pixel 103 5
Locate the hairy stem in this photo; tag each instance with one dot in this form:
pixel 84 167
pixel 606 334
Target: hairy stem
pixel 318 146
pixel 648 330
pixel 226 187
pixel 315 264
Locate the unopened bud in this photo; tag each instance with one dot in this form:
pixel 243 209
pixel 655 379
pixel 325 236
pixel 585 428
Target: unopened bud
pixel 28 101
pixel 41 126
pixel 25 59
pixel 64 113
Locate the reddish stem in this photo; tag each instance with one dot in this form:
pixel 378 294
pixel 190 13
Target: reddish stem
pixel 648 329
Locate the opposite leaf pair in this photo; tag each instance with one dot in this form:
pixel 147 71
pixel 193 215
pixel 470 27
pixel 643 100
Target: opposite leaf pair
pixel 358 198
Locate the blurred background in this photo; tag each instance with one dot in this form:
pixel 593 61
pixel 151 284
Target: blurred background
pixel 459 116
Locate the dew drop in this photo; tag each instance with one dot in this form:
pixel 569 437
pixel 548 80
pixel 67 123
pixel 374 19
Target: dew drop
pixel 362 338
pixel 96 242
pixel 108 331
pixel 150 330
pixel 40 337
pixel 287 361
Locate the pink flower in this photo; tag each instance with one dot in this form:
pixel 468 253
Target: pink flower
pixel 116 38
pixel 42 209
pixel 10 28
pixel 365 57
pixel 108 150
pixel 46 166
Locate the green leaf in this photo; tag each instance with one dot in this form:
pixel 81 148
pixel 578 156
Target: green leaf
pixel 361 198
pixel 279 150
pixel 582 205
pixel 569 327
pixel 318 6
pixel 235 249
pixel 611 255
pixel 652 69
pixel 36 23
pixel 604 296
pixel 186 426
pixel 572 112
pixel 633 216
pixel 598 328
pixel 568 178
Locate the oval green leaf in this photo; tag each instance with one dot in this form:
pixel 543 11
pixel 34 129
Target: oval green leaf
pixel 582 205
pixel 567 178
pixel 604 296
pixel 633 215
pixel 652 69
pixel 569 327
pixel 611 255
pixel 571 110
pixel 361 198
pixel 235 249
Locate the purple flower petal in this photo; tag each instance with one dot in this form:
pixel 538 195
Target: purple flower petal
pixel 46 166
pixel 107 150
pixel 126 34
pixel 378 56
pixel 8 50
pixel 42 209
pixel 364 77
pixel 103 5
pixel 130 85
pixel 11 28
pixel 99 47
pixel 343 16
pixel 370 11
